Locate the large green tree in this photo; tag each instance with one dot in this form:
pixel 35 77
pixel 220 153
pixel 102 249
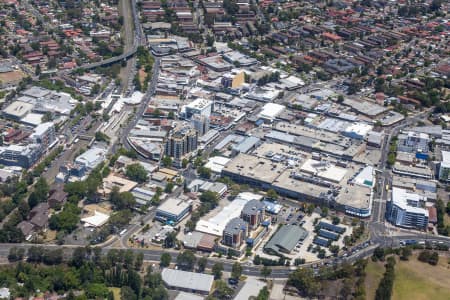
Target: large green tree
pixel 137 173
pixel 124 200
pixel 236 271
pixel 217 270
pixel 165 260
pixel 186 260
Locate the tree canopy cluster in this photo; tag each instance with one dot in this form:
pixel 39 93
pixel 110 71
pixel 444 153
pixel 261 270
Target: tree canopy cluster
pixel 87 273
pixel 136 172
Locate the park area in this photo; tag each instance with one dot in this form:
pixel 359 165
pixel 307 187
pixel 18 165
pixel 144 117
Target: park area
pixel 413 279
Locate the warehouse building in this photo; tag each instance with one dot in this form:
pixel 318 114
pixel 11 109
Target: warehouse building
pixel 187 281
pixel 173 210
pixel 357 131
pixel 271 111
pixel 444 168
pixel 285 239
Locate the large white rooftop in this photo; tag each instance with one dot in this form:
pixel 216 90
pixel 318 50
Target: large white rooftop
pixel 324 169
pixel 174 206
pixel 42 128
pixel 445 159
pixel 187 280
pixel 18 109
pixel 271 111
pixel 361 129
pixel 216 224
pixel 199 103
pixel 217 163
pixel 97 220
pixel 407 201
pixel 91 158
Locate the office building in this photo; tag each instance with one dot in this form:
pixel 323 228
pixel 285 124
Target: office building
pixel 91 158
pixel 112 181
pixel 44 134
pixel 216 225
pixel 414 142
pixel 181 141
pixel 235 233
pixel 407 209
pixel 199 106
pixel 253 213
pixel 21 156
pixel 444 168
pixel 201 124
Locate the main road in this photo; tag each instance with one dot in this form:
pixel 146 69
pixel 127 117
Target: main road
pixel 154 255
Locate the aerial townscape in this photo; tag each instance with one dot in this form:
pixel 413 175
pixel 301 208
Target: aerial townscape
pixel 224 149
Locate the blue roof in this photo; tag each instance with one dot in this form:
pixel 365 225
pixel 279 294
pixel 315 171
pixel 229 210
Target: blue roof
pixel 328 234
pixel 321 242
pixel 332 227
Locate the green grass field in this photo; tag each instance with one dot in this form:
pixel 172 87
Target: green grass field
pixel 414 280
pixel 421 281
pixel 374 273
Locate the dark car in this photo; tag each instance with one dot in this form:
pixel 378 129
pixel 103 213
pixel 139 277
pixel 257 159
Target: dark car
pixel 232 281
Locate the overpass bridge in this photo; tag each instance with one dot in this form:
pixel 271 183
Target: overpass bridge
pixel 111 60
pixel 139 40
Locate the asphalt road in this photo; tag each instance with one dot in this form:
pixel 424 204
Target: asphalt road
pixel 277 272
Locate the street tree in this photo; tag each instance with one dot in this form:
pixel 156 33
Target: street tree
pixel 138 261
pixel 217 269
pixel 303 279
pixel 186 260
pixel 266 271
pixel 236 271
pixel 167 161
pixel 263 294
pixel 223 291
pixel 165 260
pixel 272 194
pixel 210 197
pixel 201 264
